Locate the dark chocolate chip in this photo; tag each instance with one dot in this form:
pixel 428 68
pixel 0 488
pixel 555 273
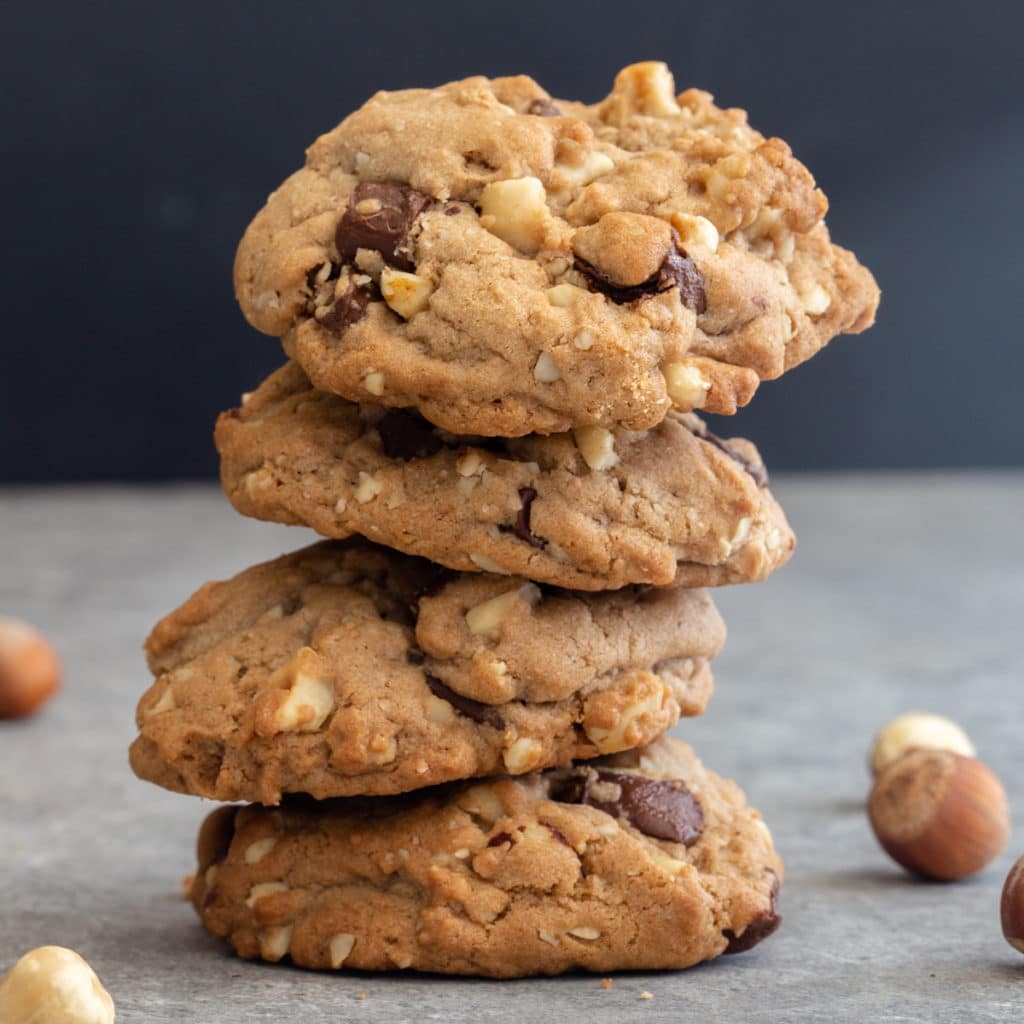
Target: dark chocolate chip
pixel 384 229
pixel 676 271
pixel 543 108
pixel 662 808
pixel 501 837
pixel 475 709
pixel 521 527
pixel 758 929
pixel 451 211
pixel 755 469
pixel 347 309
pixel 405 435
pixel 680 270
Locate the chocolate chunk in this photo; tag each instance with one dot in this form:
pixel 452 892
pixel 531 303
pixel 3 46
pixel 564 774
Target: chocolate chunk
pixel 501 837
pixel 543 108
pixel 680 270
pixel 676 271
pixel 405 435
pixel 662 808
pixel 348 308
pixel 760 928
pixel 380 217
pixel 475 709
pixel 755 469
pixel 521 527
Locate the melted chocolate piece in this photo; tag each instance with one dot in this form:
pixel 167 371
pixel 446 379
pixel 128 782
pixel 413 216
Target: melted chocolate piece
pixel 405 435
pixel 676 271
pixel 348 308
pixel 389 213
pixel 543 108
pixel 755 469
pixel 557 835
pixel 662 808
pixel 760 928
pixel 501 837
pixel 680 270
pixel 475 709
pixel 521 527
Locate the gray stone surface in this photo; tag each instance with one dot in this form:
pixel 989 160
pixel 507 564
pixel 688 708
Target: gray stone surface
pixel 906 593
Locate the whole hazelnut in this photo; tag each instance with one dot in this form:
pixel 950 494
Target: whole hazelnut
pixel 29 669
pixel 53 985
pixel 932 732
pixel 939 814
pixel 1011 906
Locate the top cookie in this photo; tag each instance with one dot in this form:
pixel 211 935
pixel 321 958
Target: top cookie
pixel 513 264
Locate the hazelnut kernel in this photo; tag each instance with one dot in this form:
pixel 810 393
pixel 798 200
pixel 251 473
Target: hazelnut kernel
pixel 931 732
pixel 939 814
pixel 29 669
pixel 54 984
pixel 1011 906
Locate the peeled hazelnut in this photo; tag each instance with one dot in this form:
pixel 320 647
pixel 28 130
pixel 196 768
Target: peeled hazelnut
pixel 930 732
pixel 939 814
pixel 53 985
pixel 29 669
pixel 1011 907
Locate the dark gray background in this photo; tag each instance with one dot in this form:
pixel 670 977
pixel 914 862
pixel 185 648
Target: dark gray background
pixel 140 138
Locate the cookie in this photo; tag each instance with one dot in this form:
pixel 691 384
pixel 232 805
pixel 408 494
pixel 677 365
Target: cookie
pixel 594 509
pixel 643 861
pixel 511 264
pixel 347 669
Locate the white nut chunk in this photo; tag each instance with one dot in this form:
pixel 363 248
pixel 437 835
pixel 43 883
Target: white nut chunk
pixel 597 446
pixel 563 295
pixel 517 212
pixel 593 166
pixel 275 942
pixel 374 382
pixel 522 755
pixel 696 231
pixel 53 985
pixel 259 849
pixel 368 488
pixel 686 385
pixel 649 88
pixel 310 697
pixel 340 947
pixel 486 619
pixel 546 369
pixel 815 300
pixel 614 725
pixel 406 294
pixel 930 732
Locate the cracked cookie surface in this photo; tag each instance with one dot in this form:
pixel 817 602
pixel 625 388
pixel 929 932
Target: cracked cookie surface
pixel 512 264
pixel 594 509
pixel 645 861
pixel 346 669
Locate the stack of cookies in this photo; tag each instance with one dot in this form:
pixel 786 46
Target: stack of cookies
pixel 448 719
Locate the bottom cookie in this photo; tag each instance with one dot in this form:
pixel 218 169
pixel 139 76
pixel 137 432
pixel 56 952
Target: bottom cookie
pixel 642 860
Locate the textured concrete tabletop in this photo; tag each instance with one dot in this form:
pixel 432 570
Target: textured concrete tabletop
pixel 906 593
